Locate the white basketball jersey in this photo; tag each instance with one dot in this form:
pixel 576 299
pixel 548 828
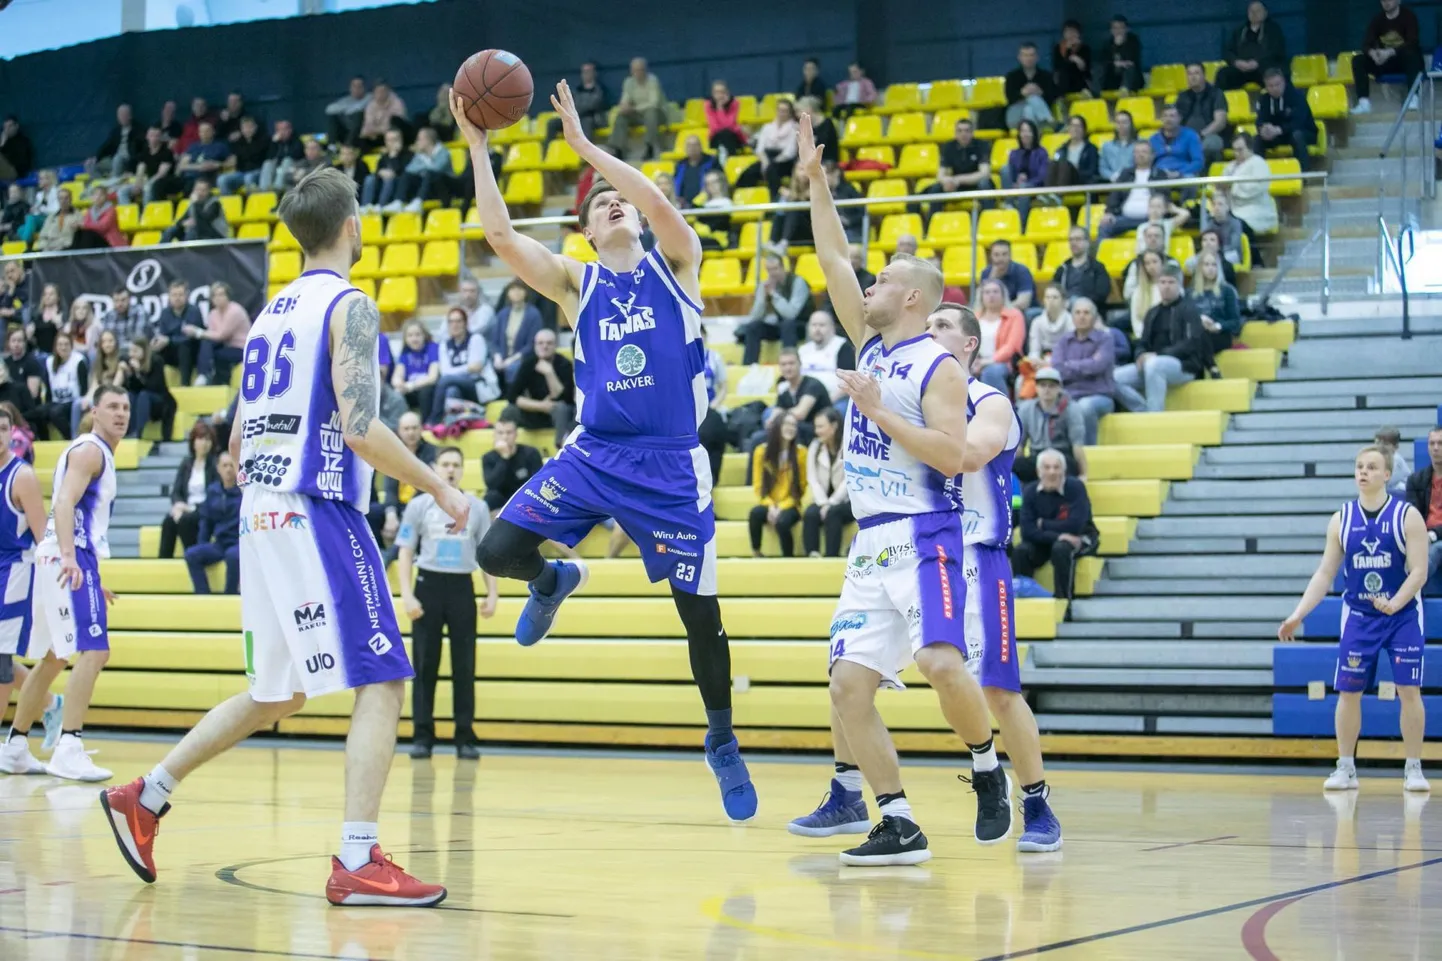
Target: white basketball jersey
pixel 881 476
pixel 986 492
pixel 291 439
pixel 92 511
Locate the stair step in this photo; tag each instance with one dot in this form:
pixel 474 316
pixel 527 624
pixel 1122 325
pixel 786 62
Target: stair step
pixel 1228 545
pixel 1174 653
pixel 1147 677
pixel 1302 487
pixel 1256 566
pixel 1229 525
pixel 1270 507
pixel 1406 387
pixel 1200 706
pixel 1299 452
pixel 1365 419
pixel 1229 587
pixel 1183 608
pixel 1142 629
pixel 1299 435
pixel 1342 467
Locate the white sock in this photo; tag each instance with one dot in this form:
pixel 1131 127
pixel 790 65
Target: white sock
pixel 71 740
pixel 1413 762
pixel 898 808
pixel 984 761
pixel 356 839
pixel 851 780
pixel 1347 762
pixel 159 784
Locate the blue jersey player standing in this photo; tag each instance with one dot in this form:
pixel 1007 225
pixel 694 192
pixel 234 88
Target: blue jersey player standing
pixel 1380 544
pixel 640 361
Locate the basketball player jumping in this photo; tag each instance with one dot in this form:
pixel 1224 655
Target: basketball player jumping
pixel 315 606
pixel 1380 543
pixel 640 395
pixel 905 595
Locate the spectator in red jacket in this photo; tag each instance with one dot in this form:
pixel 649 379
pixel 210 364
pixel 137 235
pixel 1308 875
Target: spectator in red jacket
pixel 200 113
pixel 723 121
pixel 853 93
pixel 1003 336
pixel 1424 491
pixel 101 218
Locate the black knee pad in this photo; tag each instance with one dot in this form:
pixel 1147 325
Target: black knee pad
pixel 7 671
pixel 700 613
pixel 510 551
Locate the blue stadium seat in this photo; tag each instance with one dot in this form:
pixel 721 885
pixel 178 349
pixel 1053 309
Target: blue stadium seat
pixel 1295 716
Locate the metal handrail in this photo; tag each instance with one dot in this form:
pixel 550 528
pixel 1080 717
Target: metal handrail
pixel 1395 260
pixel 1402 114
pixel 46 254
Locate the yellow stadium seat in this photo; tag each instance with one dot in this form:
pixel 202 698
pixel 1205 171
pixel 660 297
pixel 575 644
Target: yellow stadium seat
pixel 751 234
pixel 693 114
pixel 906 128
pixel 766 109
pixel 678 148
pixel 127 217
pixel 918 160
pixel 470 224
pixel 998 224
pixel 1342 70
pixel 397 296
pixel 949 228
pixel 560 156
pixel 862 130
pixel 369 264
pixel 736 163
pixel 808 268
pixel 443 224
pixel 1246 265
pixel 1182 248
pixel 459 156
pixel 945 95
pixel 1328 101
pixel 1001 149
pixel 522 129
pixel 1024 253
pixel 720 277
pixel 181 206
pixel 1046 225
pixel 1094 112
pixel 899 97
pixel 284 266
pixel 886 188
pixel 1166 79
pixel 752 274
pixel 875 260
pixel 141 238
pixel 895 226
pixel 272 291
pixel 373 229
pixel 650 168
pixel 12 247
pixel 747 110
pixel 1116 254
pixel 1092 217
pixel 943 125
pixel 440 258
pixel 253 232
pixel 1050 142
pixel 886 155
pixel 525 187
pixel 746 197
pixel 283 239
pixel 1239 107
pixel 400 260
pixel 1211 67
pixel 403 228
pixel 260 206
pixel 1285 188
pixel 956 265
pixel 987 92
pixel 1309 69
pixel 1142 109
pixel 232 206
pixel 1056 255
pixel 365 285
pixel 577 247
pixel 158 215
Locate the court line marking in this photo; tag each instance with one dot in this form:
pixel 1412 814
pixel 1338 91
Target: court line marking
pixel 1254 931
pixel 1183 844
pixel 31 933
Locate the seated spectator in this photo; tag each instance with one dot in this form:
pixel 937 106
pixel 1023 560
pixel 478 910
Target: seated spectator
pixel 200 113
pixel 823 128
pixel 811 84
pixel 126 319
pixel 1026 166
pixel 480 316
pixel 177 332
pixel 642 104
pixel 121 150
pixel 543 393
pixel 17 154
pixel 1389 441
pixel 1424 492
pixel 776 310
pixel 227 125
pixel 418 367
pixel 61 228
pixel 776 148
pixel 395 496
pixel 1050 421
pixel 426 177
pixel 79 322
pixel 193 477
pixel 1048 327
pixel 508 464
pixel 382 188
pixel 1082 275
pixel 440 119
pixel 386 111
pixel 1252 201
pixel 219 536
pixel 718 197
pixel 723 123
pixel 1003 335
pixel 1084 358
pixel 203 158
pixel 345 115
pixel 154 177
pixel 778 471
pixel 21 437
pixel 1030 91
pixel 45 202
pixel 15 294
pixel 25 371
pixel 691 170
pixel 465 370
pixel 1118 154
pixel 1071 62
pixel 348 161
pixel 593 103
pixel 1077 161
pixel 45 319
pixel 1173 347
pixel 204 219
pixel 169 123
pixel 284 153
pixel 965 165
pixel 852 218
pixel 1392 45
pixel 1015 278
pixel 1216 301
pixel 830 507
pixel 1142 287
pixel 1203 108
pixel 864 277
pixel 799 395
pixel 793 227
pixel 248 151
pixel 1056 525
pixel 313 157
pixel 150 399
pixel 1284 118
pixel 13 213
pixel 109 367
pixel 854 93
pixel 667 185
pixel 222 339
pixel 1163 219
pixel 1121 59
pixel 514 332
pixel 825 352
pixel 712 431
pixel 1127 209
pixel 102 221
pixel 1256 47
pixel 1211 240
pixel 1228 228
pixel 1177 150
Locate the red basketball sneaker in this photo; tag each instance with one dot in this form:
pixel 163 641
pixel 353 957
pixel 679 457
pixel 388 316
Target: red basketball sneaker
pixel 379 882
pixel 134 826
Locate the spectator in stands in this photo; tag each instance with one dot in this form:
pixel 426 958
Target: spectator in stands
pixel 1015 277
pixel 514 332
pixel 1048 327
pixel 717 197
pixel 200 113
pixel 1252 202
pixel 1118 154
pixel 1071 62
pixel 193 477
pixel 798 394
pixel 67 376
pixel 723 123
pixel 154 171
pixel 1085 358
pixel 1389 441
pixel 1142 286
pixel 1051 421
pixel 223 337
pixel 1177 150
pixel 169 123
pixel 1127 209
pixel 1122 58
pixel 1173 348
pixel 689 178
pixel 59 230
pixel 642 104
pixel 426 177
pixel 854 93
pixel 825 352
pixel 345 116
pixel 465 370
pixel 109 365
pixel 778 471
pixel 348 161
pixel 1392 45
pixel 1075 162
pixel 150 397
pixel 395 495
pixel 249 148
pixel 1211 240
pixel 508 464
pixel 45 203
pixel 45 319
pixel 811 84
pixel 823 129
pixel 965 165
pixel 24 370
pixel 1229 229
pixel 1056 525
pixel 228 121
pixel 383 187
pixel 480 316
pixel 1026 166
pixel 1203 108
pixel 121 149
pixel 1003 335
pixel 418 367
pixel 386 111
pixel 17 154
pixel 125 320
pixel 102 221
pixel 907 244
pixel 1424 492
pixel 204 157
pixel 15 294
pixel 1164 218
pixel 1284 119
pixel 1082 275
pixel 793 226
pixel 1216 302
pixel 219 536
pixel 204 219
pixel 543 392
pixel 593 103
pixel 830 507
pixel 776 310
pixel 1256 47
pixel 852 218
pixel 440 119
pixel 1030 91
pixel 712 431
pixel 13 213
pixel 313 157
pixel 285 152
pixel 776 147
pixel 177 331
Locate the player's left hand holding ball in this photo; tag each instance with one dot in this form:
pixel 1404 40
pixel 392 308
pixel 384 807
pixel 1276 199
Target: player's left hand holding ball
pixel 457 507
pixel 565 106
pixel 863 389
pixel 472 134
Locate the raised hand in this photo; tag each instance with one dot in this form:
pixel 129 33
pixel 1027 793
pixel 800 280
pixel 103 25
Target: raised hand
pixel 565 106
pixel 473 135
pixel 808 158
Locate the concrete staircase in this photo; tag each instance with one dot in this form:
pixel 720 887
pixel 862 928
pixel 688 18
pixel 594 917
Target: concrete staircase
pixel 142 497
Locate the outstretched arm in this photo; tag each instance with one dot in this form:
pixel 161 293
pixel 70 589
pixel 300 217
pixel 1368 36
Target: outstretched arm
pixel 1320 583
pixel 832 249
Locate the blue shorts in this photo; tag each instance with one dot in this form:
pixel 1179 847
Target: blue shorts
pixel 990 619
pixel 660 495
pixel 17 577
pixel 1364 635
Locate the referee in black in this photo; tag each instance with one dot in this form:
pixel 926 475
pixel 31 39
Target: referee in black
pixel 443 598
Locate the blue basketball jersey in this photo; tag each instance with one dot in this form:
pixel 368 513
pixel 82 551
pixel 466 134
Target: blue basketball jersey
pixel 15 535
pixel 640 360
pixel 1374 556
pixel 986 492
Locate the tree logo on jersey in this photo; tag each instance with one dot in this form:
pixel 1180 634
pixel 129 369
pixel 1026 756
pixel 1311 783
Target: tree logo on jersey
pixel 630 360
pixel 1372 582
pixel 633 318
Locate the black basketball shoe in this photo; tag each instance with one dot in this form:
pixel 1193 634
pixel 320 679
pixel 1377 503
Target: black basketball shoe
pixel 993 804
pixel 895 840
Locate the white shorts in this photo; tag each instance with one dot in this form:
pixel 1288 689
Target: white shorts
pixel 904 590
pixel 15 581
pixel 315 606
pixel 67 621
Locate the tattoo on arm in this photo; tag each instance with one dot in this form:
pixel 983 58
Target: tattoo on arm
pixel 359 362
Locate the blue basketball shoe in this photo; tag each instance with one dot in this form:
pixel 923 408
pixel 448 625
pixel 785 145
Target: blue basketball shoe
pixel 540 611
pixel 738 796
pixel 51 719
pixel 841 812
pixel 1042 831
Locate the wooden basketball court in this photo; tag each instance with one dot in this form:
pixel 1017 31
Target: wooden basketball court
pixel 600 857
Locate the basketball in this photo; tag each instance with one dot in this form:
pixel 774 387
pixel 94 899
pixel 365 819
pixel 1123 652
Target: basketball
pixel 496 87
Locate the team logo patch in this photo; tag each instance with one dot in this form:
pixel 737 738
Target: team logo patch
pixel 550 490
pixel 851 622
pixel 268 469
pixel 1373 581
pixel 309 615
pixel 890 555
pixel 630 360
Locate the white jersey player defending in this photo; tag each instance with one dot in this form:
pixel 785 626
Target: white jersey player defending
pixel 904 593
pixel 315 606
